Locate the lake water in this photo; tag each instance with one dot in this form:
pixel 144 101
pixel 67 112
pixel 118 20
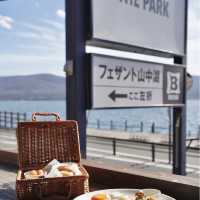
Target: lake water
pixel 133 116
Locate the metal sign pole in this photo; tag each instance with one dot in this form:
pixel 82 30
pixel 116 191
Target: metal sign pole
pixel 179 139
pixel 75 56
pixel 179 115
pixel 179 131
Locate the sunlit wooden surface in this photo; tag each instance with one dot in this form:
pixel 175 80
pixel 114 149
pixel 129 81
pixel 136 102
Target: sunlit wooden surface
pixel 104 176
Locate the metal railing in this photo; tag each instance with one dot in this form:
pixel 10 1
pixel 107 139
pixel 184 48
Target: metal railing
pixel 125 126
pixel 151 128
pixel 10 119
pixel 153 146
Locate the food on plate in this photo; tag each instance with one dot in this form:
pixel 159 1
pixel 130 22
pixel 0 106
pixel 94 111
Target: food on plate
pixel 101 196
pixel 119 196
pixel 140 195
pixel 111 196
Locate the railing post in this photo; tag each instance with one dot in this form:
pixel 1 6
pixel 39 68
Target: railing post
pixel 114 146
pixel 98 124
pixel 0 119
pixel 11 120
pixel 18 118
pixel 87 124
pixel 198 131
pixel 125 125
pixel 153 151
pixel 5 119
pixel 25 117
pixel 170 143
pixel 153 128
pixel 189 133
pixel 141 127
pixel 111 125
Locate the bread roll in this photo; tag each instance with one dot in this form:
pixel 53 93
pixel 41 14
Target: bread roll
pixel 66 173
pixel 72 167
pixel 40 172
pixel 33 173
pixel 62 168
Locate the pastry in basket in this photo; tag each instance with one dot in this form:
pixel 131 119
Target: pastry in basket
pixel 65 171
pixel 41 146
pixel 34 174
pixel 57 169
pixel 71 168
pixel 54 169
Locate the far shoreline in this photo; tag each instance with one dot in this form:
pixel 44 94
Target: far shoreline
pixel 59 99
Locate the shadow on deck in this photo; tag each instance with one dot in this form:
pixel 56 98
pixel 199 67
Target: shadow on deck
pixel 104 176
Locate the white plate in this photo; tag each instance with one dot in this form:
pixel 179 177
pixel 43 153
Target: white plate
pixel 89 195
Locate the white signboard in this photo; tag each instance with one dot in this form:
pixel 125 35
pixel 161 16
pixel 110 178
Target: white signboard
pixel 152 24
pixel 128 83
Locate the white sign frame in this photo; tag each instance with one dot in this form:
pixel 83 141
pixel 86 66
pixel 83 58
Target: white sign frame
pixel 103 95
pixel 158 34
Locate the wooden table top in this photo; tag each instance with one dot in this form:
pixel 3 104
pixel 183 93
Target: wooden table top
pixel 102 176
pixel 7 191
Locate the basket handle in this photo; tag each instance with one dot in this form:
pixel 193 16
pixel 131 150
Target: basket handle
pixel 37 191
pixel 45 114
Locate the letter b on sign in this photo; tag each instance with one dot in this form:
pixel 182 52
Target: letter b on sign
pixel 173 83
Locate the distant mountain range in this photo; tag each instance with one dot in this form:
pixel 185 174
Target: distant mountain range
pixel 51 87
pixel 194 92
pixel 32 87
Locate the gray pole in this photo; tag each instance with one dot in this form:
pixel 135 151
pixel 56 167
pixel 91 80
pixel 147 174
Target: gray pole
pixel 75 67
pixel 170 134
pixel 179 141
pixel 179 117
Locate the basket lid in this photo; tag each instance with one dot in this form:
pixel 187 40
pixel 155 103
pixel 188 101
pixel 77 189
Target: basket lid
pixel 40 142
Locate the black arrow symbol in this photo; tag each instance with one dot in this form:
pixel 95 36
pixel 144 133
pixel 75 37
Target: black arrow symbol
pixel 113 95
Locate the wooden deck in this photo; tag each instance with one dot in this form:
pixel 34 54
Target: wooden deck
pixel 7 182
pixel 104 176
pixel 135 150
pixel 110 175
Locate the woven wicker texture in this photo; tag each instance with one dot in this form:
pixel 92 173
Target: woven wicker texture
pixel 65 188
pixel 38 144
pixel 41 142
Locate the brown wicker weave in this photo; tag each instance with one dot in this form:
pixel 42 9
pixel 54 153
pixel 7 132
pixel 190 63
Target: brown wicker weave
pixel 38 144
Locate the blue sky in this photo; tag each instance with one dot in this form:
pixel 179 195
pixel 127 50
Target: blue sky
pixel 32 37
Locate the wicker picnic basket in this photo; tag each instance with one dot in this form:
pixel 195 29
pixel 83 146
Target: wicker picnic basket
pixel 38 144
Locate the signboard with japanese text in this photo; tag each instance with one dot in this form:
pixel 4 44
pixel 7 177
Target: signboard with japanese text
pixel 151 24
pixel 118 82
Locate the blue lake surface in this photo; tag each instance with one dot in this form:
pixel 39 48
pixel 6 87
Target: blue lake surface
pixel 133 116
